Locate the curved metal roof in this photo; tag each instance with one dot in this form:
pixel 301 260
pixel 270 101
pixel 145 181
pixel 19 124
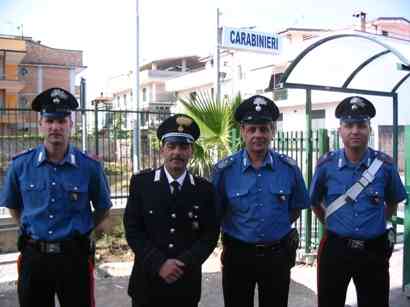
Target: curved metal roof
pixel 350 61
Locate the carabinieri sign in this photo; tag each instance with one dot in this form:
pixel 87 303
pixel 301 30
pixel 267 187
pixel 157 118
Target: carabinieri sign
pixel 244 39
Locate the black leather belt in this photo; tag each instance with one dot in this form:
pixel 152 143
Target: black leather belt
pixel 360 244
pixel 259 249
pixel 59 247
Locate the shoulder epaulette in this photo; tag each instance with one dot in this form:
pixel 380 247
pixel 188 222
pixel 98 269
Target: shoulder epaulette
pixel 384 157
pixel 144 171
pixel 288 160
pixel 22 153
pixel 228 161
pixel 326 157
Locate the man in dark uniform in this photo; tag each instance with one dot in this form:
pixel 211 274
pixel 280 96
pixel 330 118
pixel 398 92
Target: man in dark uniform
pixel 48 191
pixel 261 193
pixel 170 223
pixel 354 191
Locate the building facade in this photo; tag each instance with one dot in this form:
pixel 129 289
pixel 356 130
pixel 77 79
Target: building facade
pixel 27 68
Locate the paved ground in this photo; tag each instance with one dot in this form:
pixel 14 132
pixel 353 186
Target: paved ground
pixel 112 280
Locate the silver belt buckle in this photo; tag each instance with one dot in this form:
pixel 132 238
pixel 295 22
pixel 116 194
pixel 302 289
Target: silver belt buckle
pixel 53 248
pixel 356 244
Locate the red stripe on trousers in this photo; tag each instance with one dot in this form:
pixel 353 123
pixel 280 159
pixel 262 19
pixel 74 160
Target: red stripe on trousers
pixel 92 281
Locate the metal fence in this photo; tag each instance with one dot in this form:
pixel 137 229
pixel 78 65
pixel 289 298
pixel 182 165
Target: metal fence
pixel 106 135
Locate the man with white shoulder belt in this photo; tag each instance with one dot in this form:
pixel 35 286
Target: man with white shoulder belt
pixel 354 191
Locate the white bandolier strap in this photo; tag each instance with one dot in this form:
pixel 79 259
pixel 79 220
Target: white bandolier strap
pixel 354 191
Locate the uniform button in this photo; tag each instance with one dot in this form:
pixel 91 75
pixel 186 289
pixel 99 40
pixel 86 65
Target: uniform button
pixel 75 188
pixel 50 232
pixel 172 230
pixel 53 183
pixel 55 169
pixel 357 229
pixel 31 185
pixel 262 220
pixel 51 216
pixel 356 214
pixel 237 194
pixel 259 175
pixel 170 245
pixel 150 212
pixel 52 200
pixel 260 190
pixel 173 215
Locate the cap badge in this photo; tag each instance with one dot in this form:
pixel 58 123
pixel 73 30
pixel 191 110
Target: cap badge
pixel 57 95
pixel 357 103
pixel 258 102
pixel 182 122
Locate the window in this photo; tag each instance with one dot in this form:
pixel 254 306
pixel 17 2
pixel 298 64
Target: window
pixel 144 94
pixel 318 119
pixel 385 33
pixel 275 80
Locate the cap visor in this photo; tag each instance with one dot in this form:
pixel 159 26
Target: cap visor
pixel 177 139
pixel 55 114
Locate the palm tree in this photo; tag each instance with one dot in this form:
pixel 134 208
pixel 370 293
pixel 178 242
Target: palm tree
pixel 219 132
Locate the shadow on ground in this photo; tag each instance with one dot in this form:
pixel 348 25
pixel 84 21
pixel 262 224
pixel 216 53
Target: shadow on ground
pixel 112 292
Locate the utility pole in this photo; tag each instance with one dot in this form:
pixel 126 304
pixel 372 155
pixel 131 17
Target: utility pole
pixel 136 96
pixel 217 58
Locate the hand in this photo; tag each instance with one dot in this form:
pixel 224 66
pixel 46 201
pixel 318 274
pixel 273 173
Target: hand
pixel 171 270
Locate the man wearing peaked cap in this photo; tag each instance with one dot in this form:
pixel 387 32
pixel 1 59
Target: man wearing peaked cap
pixel 49 191
pixel 54 103
pixel 354 191
pixel 179 128
pixel 261 193
pixel 355 109
pixel 170 223
pixel 256 109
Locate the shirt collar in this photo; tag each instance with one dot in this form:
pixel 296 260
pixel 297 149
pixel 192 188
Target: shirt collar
pixel 343 161
pixel 180 179
pixel 246 162
pixel 69 157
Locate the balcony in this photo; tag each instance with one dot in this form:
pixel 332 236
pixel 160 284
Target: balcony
pixel 11 85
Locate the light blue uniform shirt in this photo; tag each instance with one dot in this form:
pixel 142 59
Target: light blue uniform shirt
pixel 55 198
pixel 255 203
pixel 364 218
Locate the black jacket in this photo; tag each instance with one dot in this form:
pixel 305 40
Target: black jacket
pixel 158 228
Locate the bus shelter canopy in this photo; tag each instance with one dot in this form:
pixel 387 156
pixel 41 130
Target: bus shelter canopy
pixel 350 61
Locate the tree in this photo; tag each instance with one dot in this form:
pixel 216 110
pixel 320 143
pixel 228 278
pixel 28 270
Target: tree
pixel 219 132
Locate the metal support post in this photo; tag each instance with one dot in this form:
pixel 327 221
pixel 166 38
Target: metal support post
pixel 323 148
pixel 406 248
pixel 308 174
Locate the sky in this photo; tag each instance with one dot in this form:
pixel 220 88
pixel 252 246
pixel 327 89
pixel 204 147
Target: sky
pixel 106 30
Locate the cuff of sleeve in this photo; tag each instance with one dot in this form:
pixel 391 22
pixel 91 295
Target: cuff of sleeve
pixel 153 260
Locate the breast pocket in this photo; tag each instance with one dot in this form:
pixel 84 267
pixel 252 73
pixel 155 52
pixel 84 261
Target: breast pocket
pixel 374 194
pixel 239 200
pixel 77 195
pixel 280 195
pixel 34 193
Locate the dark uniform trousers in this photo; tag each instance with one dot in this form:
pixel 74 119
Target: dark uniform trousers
pixel 68 274
pixel 339 261
pixel 244 265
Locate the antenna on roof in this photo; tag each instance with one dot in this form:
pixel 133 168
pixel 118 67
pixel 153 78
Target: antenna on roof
pixel 362 15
